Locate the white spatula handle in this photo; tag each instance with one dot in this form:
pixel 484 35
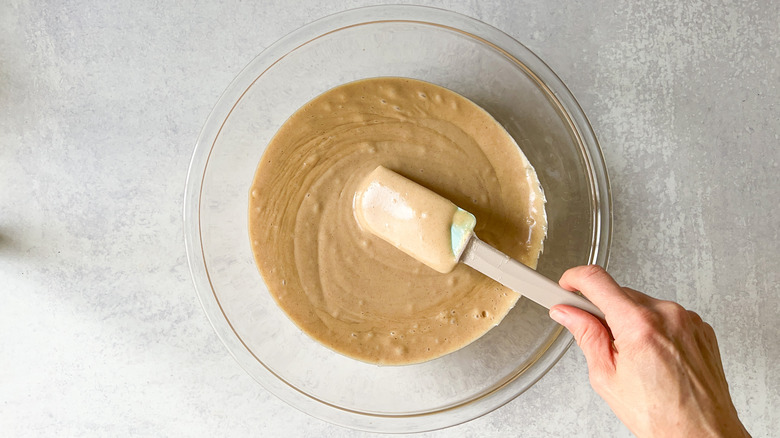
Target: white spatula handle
pixel 520 278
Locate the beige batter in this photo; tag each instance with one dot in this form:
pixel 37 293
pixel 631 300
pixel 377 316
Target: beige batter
pixel 351 290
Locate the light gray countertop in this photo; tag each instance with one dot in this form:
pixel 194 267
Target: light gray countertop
pixel 101 333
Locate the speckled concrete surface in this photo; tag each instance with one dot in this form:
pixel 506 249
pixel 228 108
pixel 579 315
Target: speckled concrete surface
pixel 100 104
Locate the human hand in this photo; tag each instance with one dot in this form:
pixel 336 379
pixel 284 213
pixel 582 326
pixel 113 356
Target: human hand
pixel 656 364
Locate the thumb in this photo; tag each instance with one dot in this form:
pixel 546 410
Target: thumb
pixel 591 335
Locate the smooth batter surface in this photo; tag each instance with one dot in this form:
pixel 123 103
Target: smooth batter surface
pixel 351 290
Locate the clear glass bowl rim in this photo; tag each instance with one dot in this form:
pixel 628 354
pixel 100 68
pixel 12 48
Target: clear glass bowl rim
pixel 498 40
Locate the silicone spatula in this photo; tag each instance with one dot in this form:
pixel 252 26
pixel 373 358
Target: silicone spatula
pixel 436 232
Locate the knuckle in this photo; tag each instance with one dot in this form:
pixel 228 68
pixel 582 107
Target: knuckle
pixel 674 313
pixel 672 307
pixel 592 271
pixel 708 330
pixel 695 317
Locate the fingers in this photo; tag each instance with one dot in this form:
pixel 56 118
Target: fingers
pixel 599 287
pixel 705 336
pixel 590 334
pixel 695 318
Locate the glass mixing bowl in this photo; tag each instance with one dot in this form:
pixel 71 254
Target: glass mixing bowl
pixel 445 48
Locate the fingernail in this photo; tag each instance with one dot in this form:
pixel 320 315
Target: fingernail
pixel 558 315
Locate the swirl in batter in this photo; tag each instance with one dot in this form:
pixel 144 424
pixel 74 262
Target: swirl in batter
pixel 352 291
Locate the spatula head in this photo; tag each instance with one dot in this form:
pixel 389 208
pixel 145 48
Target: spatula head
pixel 414 219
